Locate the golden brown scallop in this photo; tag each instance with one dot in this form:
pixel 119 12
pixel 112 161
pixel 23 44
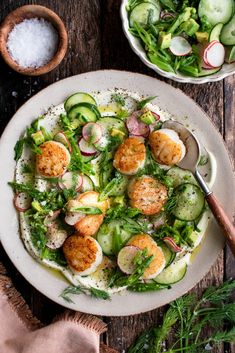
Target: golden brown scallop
pixel 166 146
pixel 130 156
pixel 83 254
pixel 54 159
pixel 147 194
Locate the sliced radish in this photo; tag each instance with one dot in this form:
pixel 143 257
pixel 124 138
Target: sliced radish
pixel 86 148
pixel 159 220
pixel 214 54
pixel 166 14
pixel 72 218
pixel 180 46
pixel 48 221
pixel 22 201
pixel 135 126
pixel 55 236
pixel 92 132
pixel 125 259
pixel 172 244
pixel 87 184
pixel 157 116
pixel 206 66
pixel 62 138
pixel 71 180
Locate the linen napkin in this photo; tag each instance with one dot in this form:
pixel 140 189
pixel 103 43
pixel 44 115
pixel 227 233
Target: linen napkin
pixel 21 332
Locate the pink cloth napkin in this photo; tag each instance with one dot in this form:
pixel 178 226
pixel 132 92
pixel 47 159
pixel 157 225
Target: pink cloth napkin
pixel 20 332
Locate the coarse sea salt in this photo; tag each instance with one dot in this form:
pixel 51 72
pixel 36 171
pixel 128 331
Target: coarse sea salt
pixel 32 42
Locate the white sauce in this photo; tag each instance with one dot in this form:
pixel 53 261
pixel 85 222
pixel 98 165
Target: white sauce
pixel 50 122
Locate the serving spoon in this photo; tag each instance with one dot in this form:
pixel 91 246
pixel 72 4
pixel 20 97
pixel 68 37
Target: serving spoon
pixel 190 162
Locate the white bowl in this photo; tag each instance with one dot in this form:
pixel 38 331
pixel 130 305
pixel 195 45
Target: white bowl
pixel 226 70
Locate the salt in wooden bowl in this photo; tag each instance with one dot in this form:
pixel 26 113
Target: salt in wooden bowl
pixel 29 12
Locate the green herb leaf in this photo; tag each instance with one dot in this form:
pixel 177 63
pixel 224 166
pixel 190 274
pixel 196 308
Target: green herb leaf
pixel 141 104
pixel 86 210
pixel 19 149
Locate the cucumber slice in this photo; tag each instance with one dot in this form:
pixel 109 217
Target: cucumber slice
pixel 145 13
pixel 215 32
pixel 169 255
pixel 105 236
pixel 189 203
pixel 206 72
pixel 216 11
pixel 230 54
pixel 173 273
pixel 79 97
pixel 107 124
pixel 180 176
pixel 82 113
pixel 227 36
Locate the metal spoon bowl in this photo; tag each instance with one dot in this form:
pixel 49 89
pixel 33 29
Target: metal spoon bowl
pixel 190 162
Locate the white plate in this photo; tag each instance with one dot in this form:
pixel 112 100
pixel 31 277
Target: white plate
pixel 168 98
pixel 226 70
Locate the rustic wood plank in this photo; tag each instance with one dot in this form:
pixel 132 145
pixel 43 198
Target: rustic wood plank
pixel 82 19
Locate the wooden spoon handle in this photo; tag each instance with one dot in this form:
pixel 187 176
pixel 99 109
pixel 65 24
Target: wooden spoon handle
pixel 223 220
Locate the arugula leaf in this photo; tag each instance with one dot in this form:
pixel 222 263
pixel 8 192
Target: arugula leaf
pixel 54 255
pixel 86 210
pixel 141 104
pixel 168 4
pixel 120 211
pixel 19 148
pixel 74 290
pixel 112 186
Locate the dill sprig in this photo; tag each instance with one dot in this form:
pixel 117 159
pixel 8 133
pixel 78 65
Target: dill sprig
pixel 75 290
pixel 187 317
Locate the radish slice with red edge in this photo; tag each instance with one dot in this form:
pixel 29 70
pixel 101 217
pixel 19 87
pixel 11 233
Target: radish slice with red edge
pixel 165 14
pixel 22 201
pixel 55 236
pixel 72 218
pixel 157 116
pixel 180 46
pixel 92 132
pixel 125 259
pixel 71 180
pixel 86 148
pixel 214 54
pixel 172 244
pixel 135 126
pixel 48 221
pixel 62 138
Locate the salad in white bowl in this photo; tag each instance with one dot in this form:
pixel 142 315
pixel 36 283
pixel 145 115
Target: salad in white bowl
pixel 100 197
pixel 189 41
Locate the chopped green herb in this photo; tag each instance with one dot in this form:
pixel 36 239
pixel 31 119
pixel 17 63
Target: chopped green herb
pixel 74 290
pixel 203 160
pixel 118 98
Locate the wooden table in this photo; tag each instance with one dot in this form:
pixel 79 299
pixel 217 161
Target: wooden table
pixel 96 41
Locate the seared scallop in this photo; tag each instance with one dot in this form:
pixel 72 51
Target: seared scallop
pixel 144 241
pixel 89 225
pixel 54 159
pixel 130 156
pixel 147 194
pixel 166 146
pixel 83 254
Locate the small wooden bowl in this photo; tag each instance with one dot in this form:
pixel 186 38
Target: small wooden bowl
pixel 27 12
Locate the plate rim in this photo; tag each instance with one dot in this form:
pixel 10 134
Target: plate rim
pixel 117 72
